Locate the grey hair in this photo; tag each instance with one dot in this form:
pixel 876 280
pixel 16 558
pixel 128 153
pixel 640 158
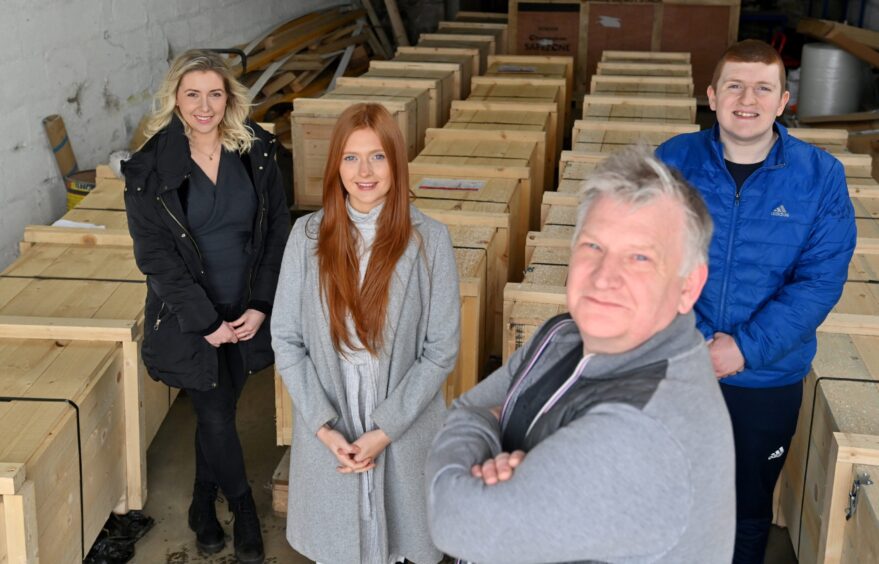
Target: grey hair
pixel 635 176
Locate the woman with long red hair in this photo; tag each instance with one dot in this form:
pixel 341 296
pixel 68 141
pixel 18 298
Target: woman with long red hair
pixel 365 332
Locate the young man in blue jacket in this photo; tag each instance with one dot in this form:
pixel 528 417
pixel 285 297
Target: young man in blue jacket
pixel 784 235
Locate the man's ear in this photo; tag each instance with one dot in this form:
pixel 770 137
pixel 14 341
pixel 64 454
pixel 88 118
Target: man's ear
pixel 692 288
pixel 785 98
pixel 712 98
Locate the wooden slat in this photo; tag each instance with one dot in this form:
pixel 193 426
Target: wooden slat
pixel 639 108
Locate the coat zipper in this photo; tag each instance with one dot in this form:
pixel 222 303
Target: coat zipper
pixel 159 317
pixel 177 221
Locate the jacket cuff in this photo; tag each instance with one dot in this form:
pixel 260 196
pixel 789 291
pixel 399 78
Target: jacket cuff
pixel 260 306
pixel 212 327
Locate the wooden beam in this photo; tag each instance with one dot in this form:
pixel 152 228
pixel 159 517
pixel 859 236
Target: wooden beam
pixel 20 516
pixel 12 476
pixel 554 295
pixel 850 324
pixel 73 328
pixel 397 23
pixel 72 235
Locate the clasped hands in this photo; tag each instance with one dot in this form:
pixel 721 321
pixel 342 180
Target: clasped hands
pixel 355 457
pixel 242 329
pixel 726 357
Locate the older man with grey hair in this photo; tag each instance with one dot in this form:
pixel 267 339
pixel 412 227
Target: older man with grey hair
pixel 604 438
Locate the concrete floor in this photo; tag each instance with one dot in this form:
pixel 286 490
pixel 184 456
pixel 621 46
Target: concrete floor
pixel 171 469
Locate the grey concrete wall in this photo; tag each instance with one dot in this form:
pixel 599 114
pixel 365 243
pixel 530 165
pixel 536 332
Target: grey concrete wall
pixel 96 63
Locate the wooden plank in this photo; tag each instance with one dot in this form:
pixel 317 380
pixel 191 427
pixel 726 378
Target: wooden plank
pixel 457 90
pixel 443 82
pixel 535 66
pixel 93 237
pixel 113 330
pixel 641 86
pixel 604 137
pixel 20 516
pixel 860 43
pixel 644 69
pixel 639 108
pixel 834 140
pixel 472 16
pixel 610 55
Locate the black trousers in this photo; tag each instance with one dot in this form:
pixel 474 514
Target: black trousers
pixel 219 458
pixel 764 421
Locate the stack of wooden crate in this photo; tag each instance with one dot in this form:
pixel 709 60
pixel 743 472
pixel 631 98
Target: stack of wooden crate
pixel 79 409
pixel 482 172
pixel 611 119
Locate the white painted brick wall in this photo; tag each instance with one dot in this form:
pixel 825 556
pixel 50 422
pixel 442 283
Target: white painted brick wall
pixel 96 63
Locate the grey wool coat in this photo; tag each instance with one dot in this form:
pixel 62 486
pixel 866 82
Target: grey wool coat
pixel 421 346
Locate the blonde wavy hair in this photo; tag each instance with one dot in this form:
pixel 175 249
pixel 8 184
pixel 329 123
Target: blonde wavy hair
pixel 235 134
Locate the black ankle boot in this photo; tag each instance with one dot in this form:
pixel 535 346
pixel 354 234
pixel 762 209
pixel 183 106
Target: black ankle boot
pixel 209 535
pixel 248 538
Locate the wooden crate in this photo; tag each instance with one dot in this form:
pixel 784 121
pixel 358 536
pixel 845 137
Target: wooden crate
pixel 610 136
pixel 52 513
pixel 434 113
pixel 525 90
pixel 639 108
pixel 615 68
pixel 496 30
pixel 402 96
pixel 650 86
pixel 442 205
pixel 832 140
pixel 574 168
pixel 643 57
pixel 537 66
pixel 467 59
pixel 312 121
pixel 512 116
pixel 458 66
pixel 499 182
pixel 442 80
pixel 496 149
pixel 484 44
pixel 471 260
pixel 847 407
pixel 451 72
pixel 546 27
pixel 541 294
pixel 656 26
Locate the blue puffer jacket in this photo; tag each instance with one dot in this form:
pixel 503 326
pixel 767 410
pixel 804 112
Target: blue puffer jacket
pixel 780 252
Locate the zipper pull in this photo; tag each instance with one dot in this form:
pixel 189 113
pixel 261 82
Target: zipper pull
pixel 156 325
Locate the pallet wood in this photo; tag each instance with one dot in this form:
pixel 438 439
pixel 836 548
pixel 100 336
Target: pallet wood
pixel 643 69
pixel 526 90
pixel 496 30
pixel 442 81
pixel 606 137
pixel 359 92
pixel 651 86
pixel 535 67
pixel 468 59
pixel 639 108
pixel 490 149
pixel 644 57
pixel 456 69
pixel 512 116
pixel 484 44
pixel 312 122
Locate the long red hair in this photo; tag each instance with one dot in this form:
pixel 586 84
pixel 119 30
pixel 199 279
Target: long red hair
pixel 339 266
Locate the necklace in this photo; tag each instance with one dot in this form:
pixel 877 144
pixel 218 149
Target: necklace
pixel 210 155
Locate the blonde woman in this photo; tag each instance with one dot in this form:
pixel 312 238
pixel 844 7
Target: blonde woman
pixel 209 220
